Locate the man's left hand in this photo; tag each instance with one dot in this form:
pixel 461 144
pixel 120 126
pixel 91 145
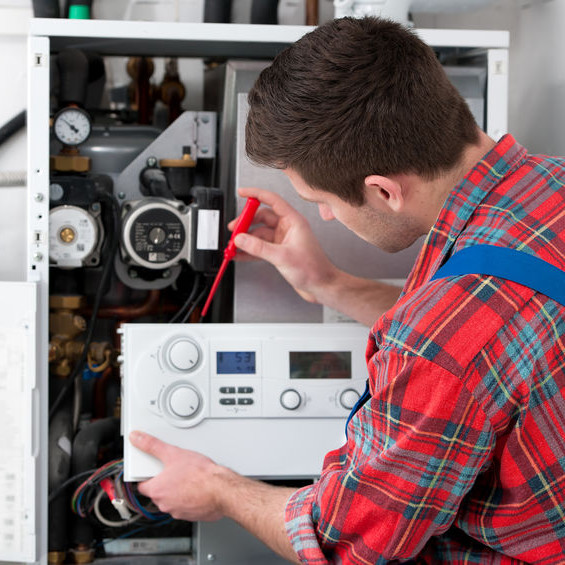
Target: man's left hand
pixel 187 487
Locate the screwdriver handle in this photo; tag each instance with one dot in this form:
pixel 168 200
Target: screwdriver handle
pixel 242 225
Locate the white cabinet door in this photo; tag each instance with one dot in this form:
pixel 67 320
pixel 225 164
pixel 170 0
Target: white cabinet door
pixel 19 423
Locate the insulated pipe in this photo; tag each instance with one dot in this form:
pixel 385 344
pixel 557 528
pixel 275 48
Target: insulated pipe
pixel 12 126
pixel 46 9
pixel 74 72
pixel 60 447
pixel 217 11
pixel 264 11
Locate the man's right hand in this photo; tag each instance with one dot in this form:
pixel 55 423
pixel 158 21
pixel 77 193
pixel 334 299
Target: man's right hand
pixel 283 237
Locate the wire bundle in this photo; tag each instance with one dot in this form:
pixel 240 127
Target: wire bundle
pixel 185 311
pixel 107 481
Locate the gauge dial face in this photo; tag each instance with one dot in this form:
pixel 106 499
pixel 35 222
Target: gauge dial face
pixel 72 126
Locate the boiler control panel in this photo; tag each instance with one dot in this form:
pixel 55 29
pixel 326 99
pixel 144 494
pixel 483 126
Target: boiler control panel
pixel 267 400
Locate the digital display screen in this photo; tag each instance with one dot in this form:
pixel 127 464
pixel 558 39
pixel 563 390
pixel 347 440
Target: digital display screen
pixel 235 362
pixel 320 364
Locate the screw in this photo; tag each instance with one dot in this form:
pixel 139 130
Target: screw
pixel 151 161
pixel 95 207
pixel 37 256
pixel 210 557
pixel 204 150
pixel 121 195
pixel 38 197
pixel 205 119
pixel 166 274
pixel 132 273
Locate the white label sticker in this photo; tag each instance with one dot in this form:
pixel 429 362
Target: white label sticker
pixel 208 232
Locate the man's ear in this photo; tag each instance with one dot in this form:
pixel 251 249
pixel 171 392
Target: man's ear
pixel 384 190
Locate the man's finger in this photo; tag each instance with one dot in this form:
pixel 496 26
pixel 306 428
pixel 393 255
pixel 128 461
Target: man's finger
pixel 279 205
pixel 149 444
pixel 257 247
pixel 145 487
pixel 263 216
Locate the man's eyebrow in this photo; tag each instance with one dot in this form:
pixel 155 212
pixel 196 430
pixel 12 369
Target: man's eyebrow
pixel 307 199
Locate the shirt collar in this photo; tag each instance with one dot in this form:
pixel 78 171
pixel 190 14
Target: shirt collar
pixel 461 205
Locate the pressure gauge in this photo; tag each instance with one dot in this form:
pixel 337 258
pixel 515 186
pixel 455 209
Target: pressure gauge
pixel 72 126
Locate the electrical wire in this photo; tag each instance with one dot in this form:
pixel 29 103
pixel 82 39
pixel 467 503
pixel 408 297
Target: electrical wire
pixel 182 309
pixel 112 247
pixel 94 479
pixel 61 488
pixel 108 480
pixel 106 521
pixel 196 302
pixel 103 366
pixel 126 535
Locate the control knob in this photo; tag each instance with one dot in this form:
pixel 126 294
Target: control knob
pixel 291 399
pixel 183 401
pixel 183 355
pixel 348 398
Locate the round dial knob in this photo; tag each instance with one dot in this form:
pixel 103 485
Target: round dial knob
pixel 184 401
pixel 183 355
pixel 348 398
pixel 290 399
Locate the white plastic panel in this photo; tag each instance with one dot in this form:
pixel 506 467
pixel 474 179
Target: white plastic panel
pixel 497 93
pixel 18 422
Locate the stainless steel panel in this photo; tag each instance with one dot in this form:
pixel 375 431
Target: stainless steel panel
pixel 261 294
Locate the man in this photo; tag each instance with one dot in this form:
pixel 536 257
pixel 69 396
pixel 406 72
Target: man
pixel 458 455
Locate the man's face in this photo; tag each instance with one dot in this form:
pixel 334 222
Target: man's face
pixel 373 221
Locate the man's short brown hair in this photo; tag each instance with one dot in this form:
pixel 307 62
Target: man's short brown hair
pixel 357 97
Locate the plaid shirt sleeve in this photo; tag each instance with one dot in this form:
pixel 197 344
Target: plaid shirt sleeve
pixel 413 453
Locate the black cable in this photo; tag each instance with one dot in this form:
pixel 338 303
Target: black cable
pixel 196 302
pixel 187 302
pixel 112 246
pixel 60 489
pixel 12 126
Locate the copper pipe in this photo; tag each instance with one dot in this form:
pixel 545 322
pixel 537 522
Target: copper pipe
pixel 311 12
pixel 145 308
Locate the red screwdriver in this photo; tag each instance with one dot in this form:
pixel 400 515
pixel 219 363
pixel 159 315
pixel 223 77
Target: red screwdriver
pixel 242 225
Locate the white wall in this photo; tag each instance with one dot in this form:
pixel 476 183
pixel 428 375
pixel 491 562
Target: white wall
pixel 14 17
pixel 537 73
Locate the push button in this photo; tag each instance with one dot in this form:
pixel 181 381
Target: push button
pixel 227 401
pixel 244 389
pixel 245 401
pixel 227 390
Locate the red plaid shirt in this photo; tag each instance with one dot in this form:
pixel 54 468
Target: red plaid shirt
pixel 459 456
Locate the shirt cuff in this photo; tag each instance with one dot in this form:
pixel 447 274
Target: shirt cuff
pixel 300 526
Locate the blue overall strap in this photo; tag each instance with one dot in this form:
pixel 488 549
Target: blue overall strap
pixel 362 399
pixel 510 264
